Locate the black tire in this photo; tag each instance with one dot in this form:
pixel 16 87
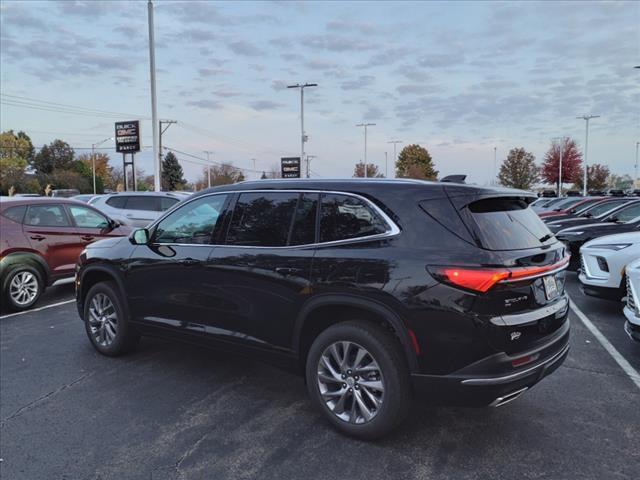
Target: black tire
pixel 388 354
pixel 12 303
pixel 126 338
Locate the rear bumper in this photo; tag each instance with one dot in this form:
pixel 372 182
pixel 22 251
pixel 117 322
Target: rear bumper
pixel 608 293
pixel 493 380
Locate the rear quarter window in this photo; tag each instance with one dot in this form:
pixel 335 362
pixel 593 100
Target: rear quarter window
pixel 15 214
pixel 116 202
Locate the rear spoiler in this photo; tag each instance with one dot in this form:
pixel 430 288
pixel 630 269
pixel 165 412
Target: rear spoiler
pixel 454 179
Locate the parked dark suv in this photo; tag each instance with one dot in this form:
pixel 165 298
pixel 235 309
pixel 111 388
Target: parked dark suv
pixel 373 289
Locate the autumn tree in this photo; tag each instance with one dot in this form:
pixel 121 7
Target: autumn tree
pixel 172 173
pixel 414 161
pixel 14 154
pixel 519 170
pixel 571 162
pixel 224 174
pixel 58 155
pixel 372 171
pixel 597 176
pixel 103 169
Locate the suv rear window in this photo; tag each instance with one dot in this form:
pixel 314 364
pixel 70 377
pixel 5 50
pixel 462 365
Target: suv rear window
pixel 142 203
pixel 116 202
pixel 507 224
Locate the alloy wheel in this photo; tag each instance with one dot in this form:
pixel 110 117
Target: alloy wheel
pixel 23 288
pixel 103 320
pixel 350 382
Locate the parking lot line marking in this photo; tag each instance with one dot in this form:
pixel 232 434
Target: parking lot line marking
pixel 620 360
pixel 37 309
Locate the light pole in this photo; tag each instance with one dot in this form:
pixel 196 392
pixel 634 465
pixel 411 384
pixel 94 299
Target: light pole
pixel 154 107
pixel 303 137
pixel 586 118
pixel 365 125
pixel 395 155
pixel 386 165
pixel 93 159
pixel 208 168
pixel 562 145
pixel 636 165
pixel 495 165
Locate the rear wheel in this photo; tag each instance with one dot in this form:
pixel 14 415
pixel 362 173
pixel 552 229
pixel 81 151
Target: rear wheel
pixel 105 321
pixel 22 287
pixel 357 375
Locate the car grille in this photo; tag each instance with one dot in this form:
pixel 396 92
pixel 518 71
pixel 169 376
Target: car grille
pixel 631 301
pixel 582 269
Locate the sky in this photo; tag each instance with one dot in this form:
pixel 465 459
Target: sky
pixel 458 78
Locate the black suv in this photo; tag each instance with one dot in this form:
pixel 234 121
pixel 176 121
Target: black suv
pixel 372 289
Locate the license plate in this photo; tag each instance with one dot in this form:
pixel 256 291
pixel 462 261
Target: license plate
pixel 550 287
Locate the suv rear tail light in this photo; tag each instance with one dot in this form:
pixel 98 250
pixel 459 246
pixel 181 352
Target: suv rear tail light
pixel 483 279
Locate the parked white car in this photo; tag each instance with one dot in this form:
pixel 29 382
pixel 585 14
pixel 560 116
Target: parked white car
pixel 135 209
pixel 632 305
pixel 603 261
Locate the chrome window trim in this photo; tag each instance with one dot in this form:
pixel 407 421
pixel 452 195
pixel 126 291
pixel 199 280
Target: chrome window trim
pixel 393 229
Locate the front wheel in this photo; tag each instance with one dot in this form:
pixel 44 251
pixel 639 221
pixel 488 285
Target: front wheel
pixel 22 287
pixel 358 377
pixel 105 321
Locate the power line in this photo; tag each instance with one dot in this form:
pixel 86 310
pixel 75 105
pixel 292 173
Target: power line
pixel 211 162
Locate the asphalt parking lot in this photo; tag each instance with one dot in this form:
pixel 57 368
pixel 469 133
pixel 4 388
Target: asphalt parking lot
pixel 172 411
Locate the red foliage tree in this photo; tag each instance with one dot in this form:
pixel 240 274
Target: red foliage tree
pixel 571 162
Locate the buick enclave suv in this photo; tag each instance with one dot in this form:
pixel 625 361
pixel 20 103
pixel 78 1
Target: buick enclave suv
pixel 373 290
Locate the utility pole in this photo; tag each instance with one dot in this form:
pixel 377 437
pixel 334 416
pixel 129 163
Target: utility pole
pixel 636 165
pixel 303 136
pixel 365 125
pixel 208 168
pixel 395 155
pixel 154 106
pixel 495 165
pixel 386 165
pixel 586 118
pixel 168 123
pixel 309 158
pixel 93 160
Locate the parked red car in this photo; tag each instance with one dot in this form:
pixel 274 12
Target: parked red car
pixel 584 203
pixel 40 242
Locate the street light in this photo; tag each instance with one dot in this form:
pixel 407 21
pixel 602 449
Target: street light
pixel 93 160
pixel 636 165
pixel 365 125
pixel 562 144
pixel 586 118
pixel 395 155
pixel 303 137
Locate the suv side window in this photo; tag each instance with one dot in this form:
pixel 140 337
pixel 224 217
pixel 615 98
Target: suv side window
pixel 142 202
pixel 87 218
pixel 262 219
pixel 303 231
pixel 46 216
pixel 15 213
pixel 196 223
pixel 343 217
pixel 116 202
pixel 167 202
pixel 627 214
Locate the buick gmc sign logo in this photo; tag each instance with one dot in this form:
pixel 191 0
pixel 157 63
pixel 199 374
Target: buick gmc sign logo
pixel 128 136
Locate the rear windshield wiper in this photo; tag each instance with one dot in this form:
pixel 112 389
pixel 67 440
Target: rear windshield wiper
pixel 548 236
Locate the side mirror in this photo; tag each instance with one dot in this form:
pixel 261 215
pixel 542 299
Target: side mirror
pixel 139 237
pixel 113 224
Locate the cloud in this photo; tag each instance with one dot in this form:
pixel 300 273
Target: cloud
pixel 210 14
pixel 416 89
pixel 279 84
pixel 21 19
pixel 262 105
pixel 358 83
pixel 205 104
pixel 88 8
pixel 199 35
pixel 440 60
pixel 336 43
pixel 128 31
pixel 342 25
pixel 387 57
pixel 242 47
pixel 211 72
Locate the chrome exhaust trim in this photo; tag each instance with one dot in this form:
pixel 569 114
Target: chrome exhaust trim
pixel 498 402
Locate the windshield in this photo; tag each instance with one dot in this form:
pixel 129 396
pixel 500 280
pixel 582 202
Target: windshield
pixel 625 214
pixel 601 210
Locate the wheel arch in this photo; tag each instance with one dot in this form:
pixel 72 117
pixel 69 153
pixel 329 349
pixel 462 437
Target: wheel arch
pixel 323 311
pixel 29 258
pixel 94 274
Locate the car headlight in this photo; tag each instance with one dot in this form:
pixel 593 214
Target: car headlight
pixel 611 246
pixel 565 234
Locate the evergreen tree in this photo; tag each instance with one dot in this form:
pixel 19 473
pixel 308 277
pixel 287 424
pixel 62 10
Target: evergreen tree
pixel 172 174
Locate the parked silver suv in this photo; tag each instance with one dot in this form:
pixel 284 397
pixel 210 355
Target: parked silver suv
pixel 136 209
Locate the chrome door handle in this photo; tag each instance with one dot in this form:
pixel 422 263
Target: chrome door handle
pixel 88 238
pixel 37 237
pixel 187 262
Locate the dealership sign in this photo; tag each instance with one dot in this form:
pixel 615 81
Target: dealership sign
pixel 128 136
pixel 290 167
